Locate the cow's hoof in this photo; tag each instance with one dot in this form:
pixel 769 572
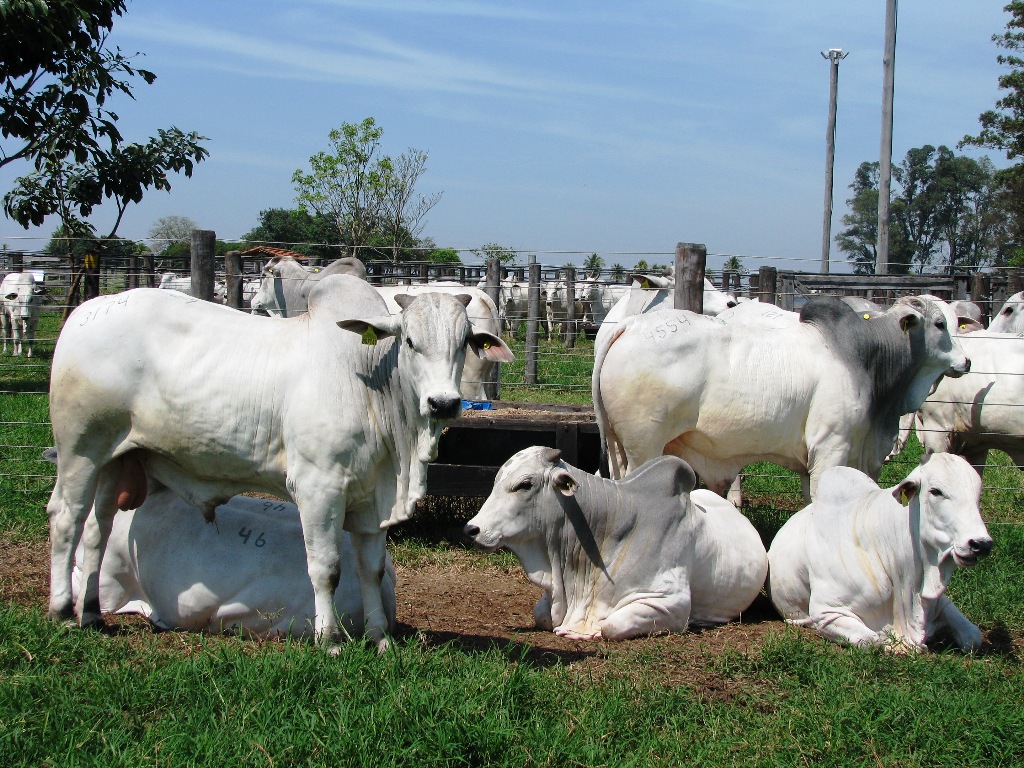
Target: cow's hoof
pixel 65 616
pixel 92 621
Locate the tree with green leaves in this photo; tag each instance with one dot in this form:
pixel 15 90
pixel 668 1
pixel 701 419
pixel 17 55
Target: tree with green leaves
pixel 1002 129
pixel 593 266
pixel 168 230
pixel 297 230
pixel 733 264
pixel 369 196
pixel 58 74
pixel 618 273
pixel 505 256
pixel 943 208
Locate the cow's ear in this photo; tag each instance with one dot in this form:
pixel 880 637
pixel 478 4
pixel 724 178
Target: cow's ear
pixel 564 483
pixel 905 491
pixel 11 296
pixel 374 328
pixel 487 346
pixel 910 320
pixel 464 299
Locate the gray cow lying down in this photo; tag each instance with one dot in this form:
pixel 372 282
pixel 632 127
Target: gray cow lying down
pixel 621 558
pixel 860 567
pixel 243 572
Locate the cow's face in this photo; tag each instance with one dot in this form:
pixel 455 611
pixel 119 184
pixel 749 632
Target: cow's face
pixel 433 333
pixel 522 502
pixel 23 298
pixel 939 347
pixel 269 297
pixel 1010 318
pixel 948 491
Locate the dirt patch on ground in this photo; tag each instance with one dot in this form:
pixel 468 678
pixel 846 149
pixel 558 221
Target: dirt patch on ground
pixel 471 604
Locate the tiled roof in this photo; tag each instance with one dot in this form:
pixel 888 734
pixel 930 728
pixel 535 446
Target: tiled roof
pixel 264 250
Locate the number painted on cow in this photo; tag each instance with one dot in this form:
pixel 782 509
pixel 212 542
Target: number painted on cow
pixel 102 309
pixel 662 330
pixel 246 534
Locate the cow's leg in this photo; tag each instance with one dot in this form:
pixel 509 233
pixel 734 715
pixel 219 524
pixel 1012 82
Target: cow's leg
pixel 965 633
pixel 836 622
pixel 16 336
pixel 542 613
pixel 370 550
pixel 5 327
pixel 649 615
pixel 735 494
pixel 95 535
pixel 322 520
pixel 70 504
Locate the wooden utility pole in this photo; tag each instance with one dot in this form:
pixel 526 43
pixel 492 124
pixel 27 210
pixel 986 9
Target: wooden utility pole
pixel 203 249
pixel 691 260
pixel 834 56
pixel 885 160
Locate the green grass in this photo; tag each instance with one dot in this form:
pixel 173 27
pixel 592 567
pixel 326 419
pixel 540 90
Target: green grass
pixel 128 698
pixel 72 698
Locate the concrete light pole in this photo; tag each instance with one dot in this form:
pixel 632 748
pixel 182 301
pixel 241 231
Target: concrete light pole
pixel 885 159
pixel 834 56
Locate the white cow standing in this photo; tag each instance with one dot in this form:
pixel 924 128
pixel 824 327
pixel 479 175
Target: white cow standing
pixel 981 410
pixel 243 573
pixel 339 410
pixel 286 284
pixel 21 300
pixel 869 566
pixel 620 559
pixel 826 391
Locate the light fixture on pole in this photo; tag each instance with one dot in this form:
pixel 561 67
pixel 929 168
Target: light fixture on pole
pixel 834 56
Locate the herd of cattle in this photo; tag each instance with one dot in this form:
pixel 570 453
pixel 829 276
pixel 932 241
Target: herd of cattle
pixel 166 407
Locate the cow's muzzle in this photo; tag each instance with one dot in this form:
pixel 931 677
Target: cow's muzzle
pixel 976 549
pixel 444 407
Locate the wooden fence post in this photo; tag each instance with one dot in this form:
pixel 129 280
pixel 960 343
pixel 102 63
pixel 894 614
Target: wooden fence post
pixel 233 278
pixel 787 291
pixel 691 259
pixel 203 248
pixel 91 275
pixel 492 287
pixel 980 287
pixel 532 315
pixel 767 277
pixel 570 307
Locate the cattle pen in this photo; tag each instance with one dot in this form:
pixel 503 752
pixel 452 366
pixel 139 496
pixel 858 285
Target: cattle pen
pixel 470 680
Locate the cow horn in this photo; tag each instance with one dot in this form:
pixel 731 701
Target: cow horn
pixel 551 455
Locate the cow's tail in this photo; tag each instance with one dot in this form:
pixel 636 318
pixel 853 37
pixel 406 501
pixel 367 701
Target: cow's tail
pixel 613 457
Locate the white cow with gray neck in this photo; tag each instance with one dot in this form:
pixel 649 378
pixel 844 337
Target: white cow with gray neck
pixel 342 420
pixel 619 559
pixel 286 284
pixel 826 391
pixel 869 566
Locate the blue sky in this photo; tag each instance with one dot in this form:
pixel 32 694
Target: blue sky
pixel 555 127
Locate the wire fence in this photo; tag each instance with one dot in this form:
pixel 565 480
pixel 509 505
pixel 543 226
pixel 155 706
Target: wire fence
pixel 564 368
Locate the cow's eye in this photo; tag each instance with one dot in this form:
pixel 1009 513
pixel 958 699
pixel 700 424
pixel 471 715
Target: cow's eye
pixel 940 324
pixel 936 492
pixel 409 343
pixel 523 485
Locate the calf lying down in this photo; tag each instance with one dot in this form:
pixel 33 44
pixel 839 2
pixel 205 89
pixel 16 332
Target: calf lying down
pixel 621 558
pixel 244 572
pixel 861 567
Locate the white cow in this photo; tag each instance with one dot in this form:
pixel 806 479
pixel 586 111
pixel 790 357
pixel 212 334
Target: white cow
pixel 824 392
pixel 340 420
pixel 619 559
pixel 245 572
pixel 183 284
pixel 483 314
pixel 869 566
pixel 1011 316
pixel 20 302
pixel 982 409
pixel 286 284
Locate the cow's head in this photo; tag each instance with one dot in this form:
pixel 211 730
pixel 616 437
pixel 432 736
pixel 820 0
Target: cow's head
pixel 270 297
pixel 523 500
pixel 946 492
pixel 433 332
pixel 1010 318
pixel 23 297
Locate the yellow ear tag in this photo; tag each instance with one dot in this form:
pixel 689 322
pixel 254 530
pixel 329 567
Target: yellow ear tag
pixel 369 336
pixel 487 345
pixel 315 271
pixel 867 316
pixel 647 285
pixel 903 498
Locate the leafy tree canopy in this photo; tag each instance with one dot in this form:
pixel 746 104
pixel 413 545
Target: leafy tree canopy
pixel 504 255
pixel 58 74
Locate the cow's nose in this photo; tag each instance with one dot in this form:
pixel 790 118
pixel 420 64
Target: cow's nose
pixel 980 547
pixel 444 407
pixel 471 531
pixel 967 368
pixel 730 304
